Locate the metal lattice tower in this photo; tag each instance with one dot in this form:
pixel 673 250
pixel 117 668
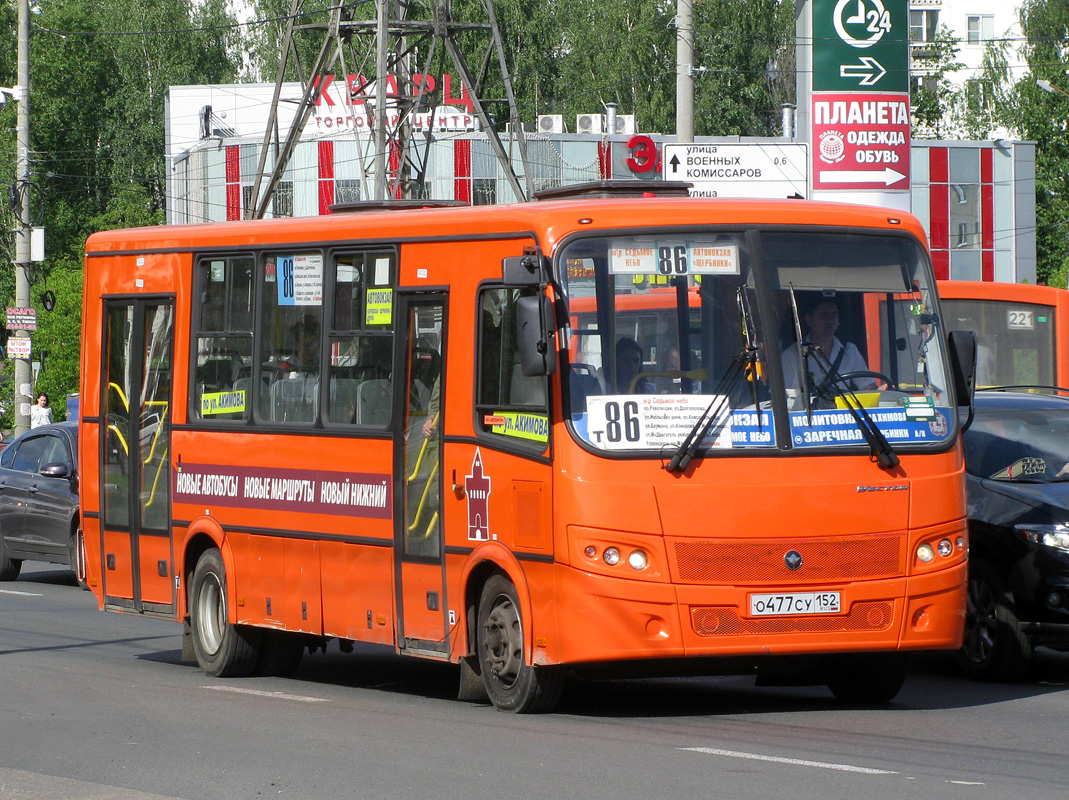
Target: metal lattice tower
pixel 397 37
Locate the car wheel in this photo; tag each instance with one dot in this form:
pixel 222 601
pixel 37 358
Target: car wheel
pixel 9 567
pixel 223 649
pixel 994 648
pixel 867 678
pixel 76 552
pixel 512 684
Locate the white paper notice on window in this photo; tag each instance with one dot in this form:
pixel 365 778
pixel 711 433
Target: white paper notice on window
pixel 308 280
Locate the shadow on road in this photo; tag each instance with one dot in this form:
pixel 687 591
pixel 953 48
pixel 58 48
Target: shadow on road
pixel 934 683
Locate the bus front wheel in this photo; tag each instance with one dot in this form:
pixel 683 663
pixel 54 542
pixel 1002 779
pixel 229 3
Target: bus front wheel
pixel 867 678
pixel 223 649
pixel 512 684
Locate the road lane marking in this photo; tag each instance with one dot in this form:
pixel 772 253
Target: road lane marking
pixel 19 784
pixel 277 695
pixel 797 762
pixel 21 594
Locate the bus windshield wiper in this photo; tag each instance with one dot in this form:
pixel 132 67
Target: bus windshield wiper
pixel 744 363
pixel 842 389
pixel 804 350
pixel 688 448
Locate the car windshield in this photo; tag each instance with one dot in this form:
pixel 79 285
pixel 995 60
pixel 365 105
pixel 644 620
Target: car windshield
pixel 670 329
pixel 1027 446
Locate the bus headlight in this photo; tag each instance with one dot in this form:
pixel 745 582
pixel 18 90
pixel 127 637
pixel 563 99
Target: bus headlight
pixel 637 560
pixel 925 553
pixel 611 556
pixel 945 547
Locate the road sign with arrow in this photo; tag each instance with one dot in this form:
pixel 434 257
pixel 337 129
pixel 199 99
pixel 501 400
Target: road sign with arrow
pixel 739 170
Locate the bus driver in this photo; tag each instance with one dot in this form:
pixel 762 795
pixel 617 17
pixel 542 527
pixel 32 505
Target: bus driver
pixel 821 323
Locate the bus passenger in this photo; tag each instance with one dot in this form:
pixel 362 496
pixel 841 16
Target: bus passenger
pixel 821 322
pixel 628 365
pixel 669 362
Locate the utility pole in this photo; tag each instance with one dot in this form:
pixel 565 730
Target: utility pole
pixel 684 71
pixel 24 222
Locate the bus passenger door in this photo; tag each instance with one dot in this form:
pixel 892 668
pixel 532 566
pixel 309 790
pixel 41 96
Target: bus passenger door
pixel 137 554
pixel 421 604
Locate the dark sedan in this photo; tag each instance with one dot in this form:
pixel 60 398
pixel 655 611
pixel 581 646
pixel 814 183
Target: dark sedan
pixel 39 519
pixel 1017 465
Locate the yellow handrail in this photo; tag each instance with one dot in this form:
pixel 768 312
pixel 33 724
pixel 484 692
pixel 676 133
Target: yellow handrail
pixel 122 395
pixel 422 452
pixel 423 501
pixel 122 439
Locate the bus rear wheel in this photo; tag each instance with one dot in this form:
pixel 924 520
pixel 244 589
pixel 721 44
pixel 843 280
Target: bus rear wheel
pixel 512 684
pixel 223 650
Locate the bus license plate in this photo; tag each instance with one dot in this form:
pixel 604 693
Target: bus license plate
pixel 770 605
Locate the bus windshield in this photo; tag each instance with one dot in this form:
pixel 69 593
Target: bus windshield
pixel 740 334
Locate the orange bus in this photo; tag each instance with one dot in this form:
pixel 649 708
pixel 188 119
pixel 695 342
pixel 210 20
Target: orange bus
pixel 1022 330
pixel 383 426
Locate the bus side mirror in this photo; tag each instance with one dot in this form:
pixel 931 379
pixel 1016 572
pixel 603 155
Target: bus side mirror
pixel 534 335
pixel 963 366
pixel 525 270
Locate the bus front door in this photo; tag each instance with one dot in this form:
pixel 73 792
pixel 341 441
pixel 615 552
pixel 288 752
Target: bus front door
pixel 137 553
pixel 421 602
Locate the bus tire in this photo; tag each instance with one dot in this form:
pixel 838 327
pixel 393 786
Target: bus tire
pixel 223 650
pixel 511 683
pixel 280 654
pixel 9 567
pixel 994 647
pixel 867 678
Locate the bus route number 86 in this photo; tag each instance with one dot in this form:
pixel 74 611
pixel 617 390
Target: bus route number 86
pixel 672 259
pixel 623 427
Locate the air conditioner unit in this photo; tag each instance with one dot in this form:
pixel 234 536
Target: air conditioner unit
pixel 589 123
pixel 625 123
pixel 551 123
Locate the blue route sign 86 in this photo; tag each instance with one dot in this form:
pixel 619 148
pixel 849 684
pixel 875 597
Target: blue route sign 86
pixel 860 45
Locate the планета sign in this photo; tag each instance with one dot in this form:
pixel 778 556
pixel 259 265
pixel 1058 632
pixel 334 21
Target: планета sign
pixel 860 141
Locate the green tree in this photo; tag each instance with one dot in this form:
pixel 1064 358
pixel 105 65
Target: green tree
pixel 99 71
pixel 933 93
pixel 744 51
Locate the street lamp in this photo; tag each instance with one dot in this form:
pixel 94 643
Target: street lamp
pixel 1047 86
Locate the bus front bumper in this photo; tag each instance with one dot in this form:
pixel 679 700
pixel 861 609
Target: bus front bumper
pixel 610 619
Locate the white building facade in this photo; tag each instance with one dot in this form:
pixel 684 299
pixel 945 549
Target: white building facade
pixel 976 199
pixel 976 25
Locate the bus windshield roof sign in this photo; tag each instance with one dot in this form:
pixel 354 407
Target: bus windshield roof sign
pixel 632 257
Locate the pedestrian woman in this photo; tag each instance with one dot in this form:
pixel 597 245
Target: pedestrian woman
pixel 40 412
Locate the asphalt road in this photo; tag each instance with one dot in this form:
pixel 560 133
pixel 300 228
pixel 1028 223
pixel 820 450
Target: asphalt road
pixel 97 706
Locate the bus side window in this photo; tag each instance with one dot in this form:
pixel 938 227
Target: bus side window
pixel 508 402
pixel 220 386
pixel 360 379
